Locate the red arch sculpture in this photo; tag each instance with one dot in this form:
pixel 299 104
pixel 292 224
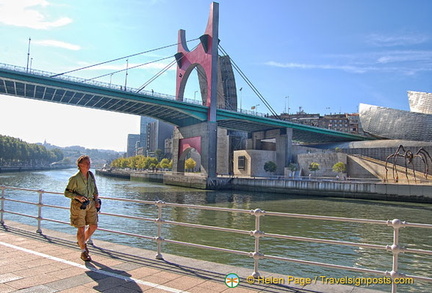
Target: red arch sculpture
pixel 205 55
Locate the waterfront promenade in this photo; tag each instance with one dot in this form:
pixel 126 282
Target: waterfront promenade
pixel 49 262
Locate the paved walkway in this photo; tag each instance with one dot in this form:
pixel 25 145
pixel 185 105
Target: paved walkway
pixel 50 262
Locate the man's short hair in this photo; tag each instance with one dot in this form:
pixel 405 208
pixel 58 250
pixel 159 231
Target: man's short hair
pixel 81 158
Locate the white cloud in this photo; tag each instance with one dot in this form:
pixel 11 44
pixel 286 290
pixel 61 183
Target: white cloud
pixel 58 44
pixel 405 56
pixel 24 13
pixel 381 40
pixel 348 68
pixel 405 62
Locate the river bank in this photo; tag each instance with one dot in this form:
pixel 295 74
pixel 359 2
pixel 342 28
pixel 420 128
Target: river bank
pixel 27 168
pixel 318 187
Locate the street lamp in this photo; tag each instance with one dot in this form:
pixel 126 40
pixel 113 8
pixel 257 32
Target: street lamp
pixel 286 98
pixel 241 93
pixel 111 79
pixel 126 76
pixel 28 55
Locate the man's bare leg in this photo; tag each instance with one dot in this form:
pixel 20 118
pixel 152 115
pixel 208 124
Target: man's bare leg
pixel 89 232
pixel 81 237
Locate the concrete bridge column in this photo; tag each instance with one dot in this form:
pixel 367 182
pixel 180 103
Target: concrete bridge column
pixel 282 146
pixel 201 138
pixel 286 146
pixel 283 149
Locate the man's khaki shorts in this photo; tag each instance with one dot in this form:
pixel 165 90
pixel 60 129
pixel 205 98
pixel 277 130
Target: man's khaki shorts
pixel 80 218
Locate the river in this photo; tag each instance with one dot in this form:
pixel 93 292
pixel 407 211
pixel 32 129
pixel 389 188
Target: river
pixel 415 238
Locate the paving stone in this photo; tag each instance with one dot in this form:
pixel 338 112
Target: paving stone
pixel 38 289
pixel 51 263
pixel 9 277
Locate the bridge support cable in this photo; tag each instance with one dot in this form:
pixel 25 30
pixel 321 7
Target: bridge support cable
pixel 120 58
pixel 129 68
pixel 246 79
pixel 161 72
pixel 156 75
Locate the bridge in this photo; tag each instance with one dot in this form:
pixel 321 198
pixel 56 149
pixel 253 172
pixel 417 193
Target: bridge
pixel 39 85
pixel 205 127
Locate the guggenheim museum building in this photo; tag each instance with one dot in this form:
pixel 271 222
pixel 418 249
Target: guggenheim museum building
pixel 387 123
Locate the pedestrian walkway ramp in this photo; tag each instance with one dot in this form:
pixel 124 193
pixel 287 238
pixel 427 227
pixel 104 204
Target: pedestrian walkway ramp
pixel 378 169
pixel 50 262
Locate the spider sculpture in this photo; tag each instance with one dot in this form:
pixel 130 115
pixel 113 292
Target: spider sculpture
pixel 408 156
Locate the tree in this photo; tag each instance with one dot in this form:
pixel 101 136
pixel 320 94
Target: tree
pixel 313 167
pixel 140 163
pixel 165 164
pixel 159 154
pixel 151 163
pixel 14 151
pixel 292 167
pixel 270 166
pixel 339 167
pixel 190 164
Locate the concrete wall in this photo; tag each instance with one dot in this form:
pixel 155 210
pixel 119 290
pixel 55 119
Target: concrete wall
pixel 278 140
pixel 255 160
pixel 394 192
pixel 355 170
pixel 326 160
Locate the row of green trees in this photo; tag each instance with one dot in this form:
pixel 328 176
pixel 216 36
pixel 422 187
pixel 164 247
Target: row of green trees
pixel 15 152
pixel 148 163
pixel 141 163
pixel 339 167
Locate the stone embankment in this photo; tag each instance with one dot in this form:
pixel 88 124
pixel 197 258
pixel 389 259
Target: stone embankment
pixel 317 187
pixel 335 188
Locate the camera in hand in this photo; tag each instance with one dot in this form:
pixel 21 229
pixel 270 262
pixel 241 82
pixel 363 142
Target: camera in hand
pixel 84 204
pixel 100 205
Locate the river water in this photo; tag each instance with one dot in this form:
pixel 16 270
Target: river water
pixel 414 238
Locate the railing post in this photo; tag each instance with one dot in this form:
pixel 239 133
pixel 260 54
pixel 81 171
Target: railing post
pixel 2 200
pixel 396 249
pixel 159 221
pixel 257 233
pixel 39 217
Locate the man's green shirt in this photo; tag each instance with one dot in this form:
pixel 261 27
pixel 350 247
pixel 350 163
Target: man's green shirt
pixel 80 185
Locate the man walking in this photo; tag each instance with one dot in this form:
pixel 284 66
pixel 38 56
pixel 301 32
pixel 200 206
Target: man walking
pixel 83 192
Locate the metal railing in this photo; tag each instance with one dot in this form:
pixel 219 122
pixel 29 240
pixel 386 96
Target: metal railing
pixel 393 277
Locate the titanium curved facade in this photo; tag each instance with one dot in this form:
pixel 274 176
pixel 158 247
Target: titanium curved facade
pixel 395 124
pixel 420 102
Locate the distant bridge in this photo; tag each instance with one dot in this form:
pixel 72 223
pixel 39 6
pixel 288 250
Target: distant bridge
pixel 38 85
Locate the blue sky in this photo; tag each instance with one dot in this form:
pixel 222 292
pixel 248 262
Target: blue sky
pixel 318 56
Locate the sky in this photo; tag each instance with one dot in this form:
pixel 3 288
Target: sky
pixel 312 55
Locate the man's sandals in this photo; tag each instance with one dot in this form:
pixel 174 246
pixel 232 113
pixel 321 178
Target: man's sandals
pixel 85 254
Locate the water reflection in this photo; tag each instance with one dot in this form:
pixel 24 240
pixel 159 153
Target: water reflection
pixel 329 206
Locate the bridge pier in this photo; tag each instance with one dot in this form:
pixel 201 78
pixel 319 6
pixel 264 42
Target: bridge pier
pixel 277 140
pixel 263 146
pixel 199 137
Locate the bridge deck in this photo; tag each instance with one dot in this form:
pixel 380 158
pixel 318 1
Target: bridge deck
pixel 49 262
pixel 40 86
